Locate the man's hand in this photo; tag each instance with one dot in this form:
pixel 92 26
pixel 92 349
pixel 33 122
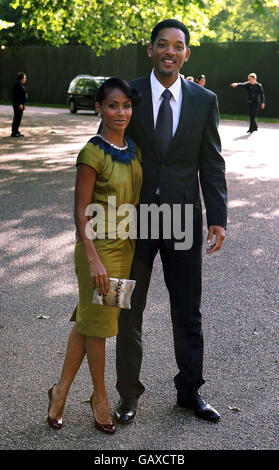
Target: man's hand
pixel 262 105
pixel 233 85
pixel 21 106
pixel 220 234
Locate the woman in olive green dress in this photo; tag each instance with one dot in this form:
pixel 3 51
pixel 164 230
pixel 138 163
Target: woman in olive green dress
pixel 108 165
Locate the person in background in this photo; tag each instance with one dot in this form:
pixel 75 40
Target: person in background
pixel 201 80
pixel 255 95
pixel 190 78
pixel 19 100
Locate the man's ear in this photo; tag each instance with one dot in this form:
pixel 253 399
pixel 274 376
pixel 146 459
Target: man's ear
pixel 149 50
pixel 188 53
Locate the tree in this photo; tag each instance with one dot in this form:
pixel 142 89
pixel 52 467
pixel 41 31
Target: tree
pixel 245 20
pixel 108 24
pixel 5 24
pixel 13 33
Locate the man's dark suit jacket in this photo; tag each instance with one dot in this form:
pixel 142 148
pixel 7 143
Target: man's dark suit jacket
pixel 193 156
pixel 255 93
pixel 19 94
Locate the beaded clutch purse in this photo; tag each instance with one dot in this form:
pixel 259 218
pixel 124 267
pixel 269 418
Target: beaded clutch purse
pixel 119 294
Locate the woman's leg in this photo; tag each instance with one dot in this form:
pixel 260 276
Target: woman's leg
pixel 74 357
pixel 95 351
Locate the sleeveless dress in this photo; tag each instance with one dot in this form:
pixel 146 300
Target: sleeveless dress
pixel 119 174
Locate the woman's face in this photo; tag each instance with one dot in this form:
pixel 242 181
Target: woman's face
pixel 116 110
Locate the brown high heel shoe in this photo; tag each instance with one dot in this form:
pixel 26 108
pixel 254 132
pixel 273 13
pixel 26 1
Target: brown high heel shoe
pixel 53 423
pixel 107 428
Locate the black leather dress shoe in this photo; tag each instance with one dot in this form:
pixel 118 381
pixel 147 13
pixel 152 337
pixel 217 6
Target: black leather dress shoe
pixel 201 409
pixel 126 410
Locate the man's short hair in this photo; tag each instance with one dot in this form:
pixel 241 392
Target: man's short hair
pixel 253 75
pixel 20 76
pixel 170 24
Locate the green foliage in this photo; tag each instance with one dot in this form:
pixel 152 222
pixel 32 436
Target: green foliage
pixel 5 24
pixel 14 34
pixel 108 24
pixel 246 20
pixel 6 21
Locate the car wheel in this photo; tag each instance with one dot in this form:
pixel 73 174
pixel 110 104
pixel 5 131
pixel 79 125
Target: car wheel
pixel 72 107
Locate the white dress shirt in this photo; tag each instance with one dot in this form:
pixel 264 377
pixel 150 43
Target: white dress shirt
pixel 176 100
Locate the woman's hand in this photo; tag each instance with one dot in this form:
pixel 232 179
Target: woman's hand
pixel 99 277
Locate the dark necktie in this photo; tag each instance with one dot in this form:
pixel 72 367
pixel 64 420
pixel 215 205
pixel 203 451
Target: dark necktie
pixel 163 129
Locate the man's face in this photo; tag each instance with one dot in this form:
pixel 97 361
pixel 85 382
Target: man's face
pixel 202 81
pixel 169 52
pixel 23 80
pixel 252 80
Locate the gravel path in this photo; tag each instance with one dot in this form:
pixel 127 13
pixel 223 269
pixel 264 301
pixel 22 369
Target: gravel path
pixel 240 300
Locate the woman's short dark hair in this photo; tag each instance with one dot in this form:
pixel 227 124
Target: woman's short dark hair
pixel 20 76
pixel 170 24
pixel 124 86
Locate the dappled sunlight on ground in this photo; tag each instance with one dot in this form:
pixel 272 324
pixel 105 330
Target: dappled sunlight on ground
pixel 39 170
pixel 251 156
pixel 39 292
pixel 37 233
pixel 54 144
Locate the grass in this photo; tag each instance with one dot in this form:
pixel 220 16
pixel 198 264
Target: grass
pixel 241 117
pixel 41 105
pixel 234 117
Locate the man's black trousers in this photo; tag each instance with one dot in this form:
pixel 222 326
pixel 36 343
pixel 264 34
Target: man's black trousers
pixel 182 273
pixel 253 111
pixel 17 119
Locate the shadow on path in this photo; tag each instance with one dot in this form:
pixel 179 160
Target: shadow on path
pixel 240 303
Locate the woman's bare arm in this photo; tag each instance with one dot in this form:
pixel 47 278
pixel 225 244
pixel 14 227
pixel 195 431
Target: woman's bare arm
pixel 85 182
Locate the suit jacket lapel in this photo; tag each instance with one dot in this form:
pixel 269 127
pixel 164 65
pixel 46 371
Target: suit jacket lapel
pixel 186 117
pixel 145 110
pixel 144 114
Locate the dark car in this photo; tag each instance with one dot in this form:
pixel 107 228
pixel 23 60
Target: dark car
pixel 82 92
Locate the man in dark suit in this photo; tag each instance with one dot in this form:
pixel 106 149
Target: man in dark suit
pixel 255 96
pixel 177 133
pixel 19 100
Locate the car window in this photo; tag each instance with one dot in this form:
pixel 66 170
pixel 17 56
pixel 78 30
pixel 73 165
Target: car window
pixel 81 84
pixel 100 81
pixel 85 85
pixel 90 86
pixel 72 85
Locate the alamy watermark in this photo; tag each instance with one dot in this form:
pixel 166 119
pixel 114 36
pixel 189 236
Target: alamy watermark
pixel 171 226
